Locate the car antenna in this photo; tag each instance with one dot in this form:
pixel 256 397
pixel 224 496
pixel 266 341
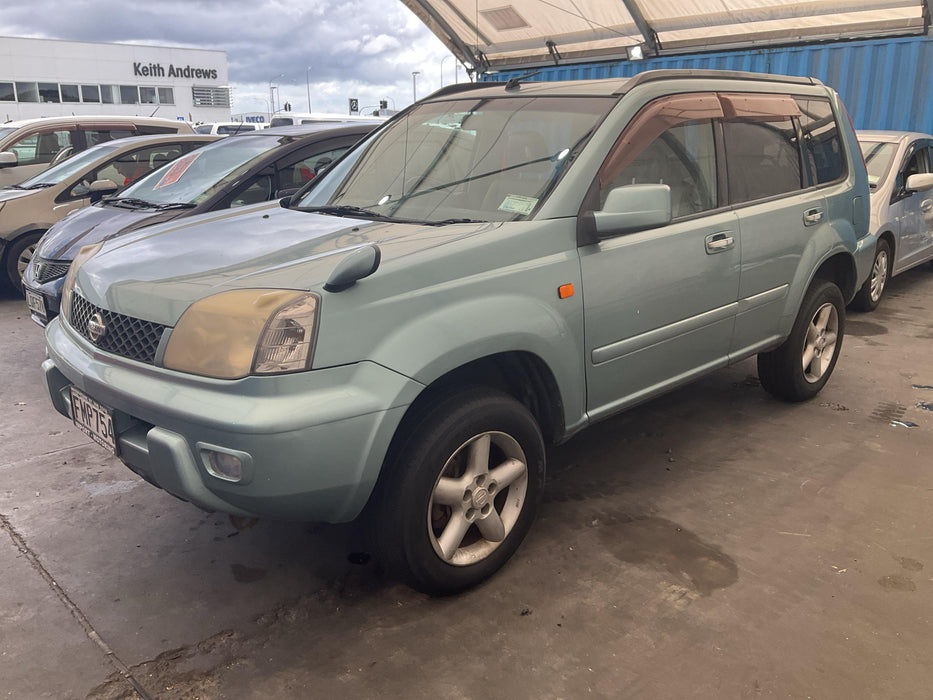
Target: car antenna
pixel 515 83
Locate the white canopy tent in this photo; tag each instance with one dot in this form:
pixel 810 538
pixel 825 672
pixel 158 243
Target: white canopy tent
pixel 508 34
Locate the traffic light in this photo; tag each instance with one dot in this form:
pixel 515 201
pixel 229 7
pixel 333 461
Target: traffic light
pixel 383 104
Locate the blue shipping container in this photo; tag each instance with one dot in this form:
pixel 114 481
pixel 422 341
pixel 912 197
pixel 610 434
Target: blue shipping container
pixel 884 83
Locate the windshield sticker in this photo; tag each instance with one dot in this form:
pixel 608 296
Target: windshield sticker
pixel 518 204
pixel 177 170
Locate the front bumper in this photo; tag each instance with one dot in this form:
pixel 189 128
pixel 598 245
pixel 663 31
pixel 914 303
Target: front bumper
pixel 314 442
pixel 50 291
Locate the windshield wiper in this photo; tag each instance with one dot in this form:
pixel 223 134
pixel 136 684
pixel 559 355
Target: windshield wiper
pixel 343 209
pixel 176 205
pixel 129 203
pixel 14 187
pixel 39 186
pixel 445 222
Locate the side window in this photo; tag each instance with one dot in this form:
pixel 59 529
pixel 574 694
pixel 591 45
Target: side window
pixel 37 149
pixel 296 174
pixel 670 142
pixel 129 167
pixel 258 189
pixel 760 137
pixel 96 136
pixel 822 148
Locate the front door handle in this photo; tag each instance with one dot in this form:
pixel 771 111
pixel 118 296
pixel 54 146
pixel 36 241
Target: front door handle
pixel 926 205
pixel 719 242
pixel 811 217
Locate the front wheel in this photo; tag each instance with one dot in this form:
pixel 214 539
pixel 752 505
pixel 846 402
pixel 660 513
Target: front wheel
pixel 869 296
pixel 18 257
pixel 462 493
pixel 798 369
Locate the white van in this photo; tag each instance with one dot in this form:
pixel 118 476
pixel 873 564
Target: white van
pixel 295 118
pixel 29 146
pixel 227 128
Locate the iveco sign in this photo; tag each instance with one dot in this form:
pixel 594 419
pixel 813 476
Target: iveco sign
pixel 157 70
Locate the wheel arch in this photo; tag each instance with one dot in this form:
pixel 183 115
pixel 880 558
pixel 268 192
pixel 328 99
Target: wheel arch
pixel 840 269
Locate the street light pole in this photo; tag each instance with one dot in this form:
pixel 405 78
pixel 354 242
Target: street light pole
pixel 308 83
pixel 272 94
pixel 442 66
pixel 414 89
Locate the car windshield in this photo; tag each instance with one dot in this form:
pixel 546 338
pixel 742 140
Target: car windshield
pixel 199 175
pixel 462 160
pixel 75 164
pixel 878 155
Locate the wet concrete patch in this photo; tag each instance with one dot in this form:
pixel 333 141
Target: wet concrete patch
pixel 864 328
pixel 888 411
pixel 664 545
pixel 897 582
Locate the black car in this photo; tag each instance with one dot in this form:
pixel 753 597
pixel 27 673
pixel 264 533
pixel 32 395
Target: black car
pixel 244 169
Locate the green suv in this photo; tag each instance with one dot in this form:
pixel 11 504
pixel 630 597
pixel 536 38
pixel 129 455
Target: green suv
pixel 491 271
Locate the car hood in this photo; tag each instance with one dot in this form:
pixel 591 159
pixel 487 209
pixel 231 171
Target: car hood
pixel 94 224
pixel 157 272
pixel 7 195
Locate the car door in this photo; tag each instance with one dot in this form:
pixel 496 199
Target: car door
pixel 913 211
pixel 35 152
pixel 659 304
pixel 774 190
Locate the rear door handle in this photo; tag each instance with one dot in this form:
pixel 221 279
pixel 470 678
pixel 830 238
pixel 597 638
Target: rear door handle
pixel 811 217
pixel 719 242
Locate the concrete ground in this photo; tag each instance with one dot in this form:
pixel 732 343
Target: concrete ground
pixel 715 543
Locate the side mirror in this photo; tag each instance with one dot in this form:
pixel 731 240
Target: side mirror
pixel 8 159
pixel 632 208
pixel 361 263
pixel 287 191
pixel 100 188
pixel 921 182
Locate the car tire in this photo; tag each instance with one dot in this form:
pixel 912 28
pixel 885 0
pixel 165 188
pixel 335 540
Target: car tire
pixel 869 296
pixel 462 492
pixel 18 256
pixel 801 366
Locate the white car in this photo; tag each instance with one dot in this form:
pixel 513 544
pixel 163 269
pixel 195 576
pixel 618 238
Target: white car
pixel 900 175
pixel 227 128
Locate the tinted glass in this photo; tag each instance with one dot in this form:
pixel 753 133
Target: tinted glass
pixel 490 160
pixel 877 157
pixel 129 167
pixel 7 94
pixel 147 95
pixel 70 93
pixel 166 96
pixel 106 94
pixel 762 158
pixel 201 174
pixel 48 92
pixel 27 92
pixel 90 93
pixel 73 165
pixel 822 148
pixel 129 95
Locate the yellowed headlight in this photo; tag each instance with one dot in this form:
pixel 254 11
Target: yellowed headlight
pixel 236 333
pixel 84 254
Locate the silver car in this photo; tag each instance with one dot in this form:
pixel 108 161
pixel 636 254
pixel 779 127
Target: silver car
pixel 900 175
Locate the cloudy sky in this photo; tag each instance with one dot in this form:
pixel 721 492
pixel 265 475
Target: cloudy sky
pixel 354 48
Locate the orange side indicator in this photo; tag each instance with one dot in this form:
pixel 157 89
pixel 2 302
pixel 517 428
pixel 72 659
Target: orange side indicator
pixel 565 291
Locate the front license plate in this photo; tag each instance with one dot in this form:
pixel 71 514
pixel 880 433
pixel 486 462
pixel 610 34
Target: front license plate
pixel 93 419
pixel 35 302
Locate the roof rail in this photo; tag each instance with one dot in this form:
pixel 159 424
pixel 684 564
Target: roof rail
pixel 674 73
pixel 463 87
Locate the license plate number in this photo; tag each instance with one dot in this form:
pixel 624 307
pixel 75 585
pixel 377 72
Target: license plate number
pixel 35 302
pixel 93 419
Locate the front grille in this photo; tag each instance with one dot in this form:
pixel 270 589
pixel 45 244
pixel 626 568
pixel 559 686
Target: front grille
pixel 125 336
pixel 48 270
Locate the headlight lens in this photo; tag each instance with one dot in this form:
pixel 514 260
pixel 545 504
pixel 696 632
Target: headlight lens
pixel 85 254
pixel 245 331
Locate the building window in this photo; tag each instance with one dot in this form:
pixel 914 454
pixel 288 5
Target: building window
pixel 70 93
pixel 211 96
pixel 166 96
pixel 147 95
pixel 7 94
pixel 129 94
pixel 27 92
pixel 89 93
pixel 106 94
pixel 48 92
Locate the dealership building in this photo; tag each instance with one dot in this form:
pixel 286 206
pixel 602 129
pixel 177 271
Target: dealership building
pixel 46 78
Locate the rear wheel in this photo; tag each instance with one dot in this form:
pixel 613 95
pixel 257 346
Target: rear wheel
pixel 18 257
pixel 798 369
pixel 462 493
pixel 869 296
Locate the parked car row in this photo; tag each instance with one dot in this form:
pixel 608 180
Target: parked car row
pixel 490 271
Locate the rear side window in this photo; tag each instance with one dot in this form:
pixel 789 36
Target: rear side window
pixel 761 146
pixel 822 147
pixel 149 129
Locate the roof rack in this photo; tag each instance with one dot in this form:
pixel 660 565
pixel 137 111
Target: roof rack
pixel 463 87
pixel 674 73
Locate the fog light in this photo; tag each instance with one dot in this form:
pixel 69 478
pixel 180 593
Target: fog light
pixel 225 466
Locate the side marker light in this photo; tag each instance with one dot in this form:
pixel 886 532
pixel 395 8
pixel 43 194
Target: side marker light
pixel 565 291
